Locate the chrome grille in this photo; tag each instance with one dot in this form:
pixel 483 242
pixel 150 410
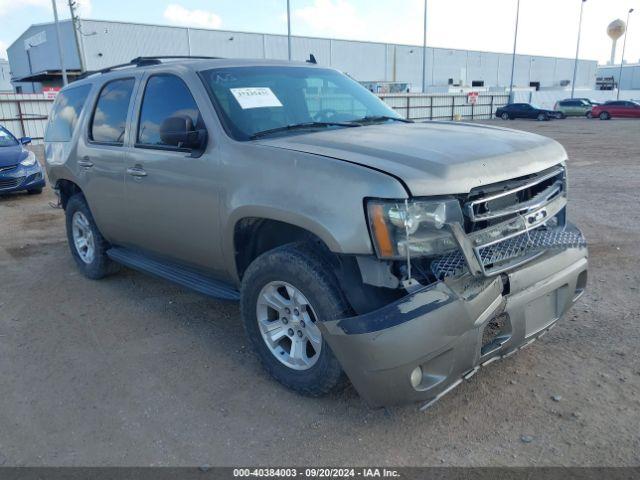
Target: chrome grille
pixel 6 169
pixel 515 197
pixel 510 223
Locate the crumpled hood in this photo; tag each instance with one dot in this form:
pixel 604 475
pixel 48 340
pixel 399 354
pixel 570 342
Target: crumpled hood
pixel 11 155
pixel 433 158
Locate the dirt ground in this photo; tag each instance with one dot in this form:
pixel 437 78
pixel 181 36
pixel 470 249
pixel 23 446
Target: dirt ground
pixel 132 370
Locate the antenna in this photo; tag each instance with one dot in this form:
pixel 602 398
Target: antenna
pixel 312 59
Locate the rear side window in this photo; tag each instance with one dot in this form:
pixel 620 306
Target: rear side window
pixel 65 113
pixel 110 116
pixel 165 96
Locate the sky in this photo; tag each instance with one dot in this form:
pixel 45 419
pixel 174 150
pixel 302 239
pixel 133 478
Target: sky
pixel 546 27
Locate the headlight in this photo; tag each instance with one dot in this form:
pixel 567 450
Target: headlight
pixel 29 160
pixel 416 227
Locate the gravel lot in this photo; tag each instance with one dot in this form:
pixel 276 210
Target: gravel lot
pixel 132 370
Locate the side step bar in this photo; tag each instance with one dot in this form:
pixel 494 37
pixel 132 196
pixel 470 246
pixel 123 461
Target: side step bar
pixel 174 273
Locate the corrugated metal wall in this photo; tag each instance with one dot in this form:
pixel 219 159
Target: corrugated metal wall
pixel 5 76
pixel 548 98
pixel 25 115
pixel 108 43
pixel 630 75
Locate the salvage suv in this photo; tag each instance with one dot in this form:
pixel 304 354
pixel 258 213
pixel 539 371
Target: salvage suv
pixel 402 256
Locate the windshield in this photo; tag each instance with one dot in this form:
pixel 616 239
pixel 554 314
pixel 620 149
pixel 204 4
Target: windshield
pixel 6 139
pixel 272 99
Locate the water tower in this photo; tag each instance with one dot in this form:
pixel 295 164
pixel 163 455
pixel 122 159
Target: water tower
pixel 615 30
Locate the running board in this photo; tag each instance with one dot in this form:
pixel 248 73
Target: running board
pixel 180 275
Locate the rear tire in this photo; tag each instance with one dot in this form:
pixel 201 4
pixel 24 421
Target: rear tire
pixel 604 116
pixel 505 116
pixel 272 328
pixel 88 246
pixel 562 116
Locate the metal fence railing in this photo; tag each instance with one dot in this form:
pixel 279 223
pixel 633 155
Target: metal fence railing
pixel 445 106
pixel 25 115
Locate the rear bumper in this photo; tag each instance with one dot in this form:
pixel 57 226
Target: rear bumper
pixel 440 328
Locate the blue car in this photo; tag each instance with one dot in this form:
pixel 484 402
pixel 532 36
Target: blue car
pixel 19 167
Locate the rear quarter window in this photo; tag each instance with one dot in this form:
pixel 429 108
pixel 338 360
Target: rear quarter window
pixel 108 123
pixel 65 113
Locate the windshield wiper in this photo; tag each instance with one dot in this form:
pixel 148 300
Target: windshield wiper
pixel 301 126
pixel 380 118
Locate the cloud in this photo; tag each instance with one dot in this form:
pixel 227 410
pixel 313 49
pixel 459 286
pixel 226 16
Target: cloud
pixel 179 15
pixel 333 18
pixel 3 50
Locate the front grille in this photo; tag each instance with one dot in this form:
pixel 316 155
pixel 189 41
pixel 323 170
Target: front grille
pixel 510 223
pixel 6 169
pixel 492 204
pixel 6 183
pixel 511 252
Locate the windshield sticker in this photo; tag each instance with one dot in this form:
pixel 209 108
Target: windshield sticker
pixel 255 97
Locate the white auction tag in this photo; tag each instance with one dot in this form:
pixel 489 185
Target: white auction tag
pixel 255 97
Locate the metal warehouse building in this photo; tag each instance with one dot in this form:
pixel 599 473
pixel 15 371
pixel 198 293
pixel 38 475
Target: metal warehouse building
pixel 34 59
pixel 608 76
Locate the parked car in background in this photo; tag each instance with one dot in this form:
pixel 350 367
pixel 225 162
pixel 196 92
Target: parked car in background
pixel 525 110
pixel 19 167
pixel 573 107
pixel 616 108
pixel 404 255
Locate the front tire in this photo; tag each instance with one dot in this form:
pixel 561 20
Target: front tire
pixel 589 115
pixel 88 246
pixel 604 116
pixel 35 191
pixel 542 117
pixel 284 294
pixel 505 116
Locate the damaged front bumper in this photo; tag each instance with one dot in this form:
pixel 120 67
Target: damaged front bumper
pixel 422 346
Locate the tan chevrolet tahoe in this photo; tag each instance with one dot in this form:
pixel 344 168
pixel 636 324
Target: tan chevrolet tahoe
pixel 362 247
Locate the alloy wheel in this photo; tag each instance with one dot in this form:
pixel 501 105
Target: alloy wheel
pixel 288 325
pixel 83 237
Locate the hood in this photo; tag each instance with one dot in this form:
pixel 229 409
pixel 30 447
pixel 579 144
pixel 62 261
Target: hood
pixel 433 158
pixel 11 155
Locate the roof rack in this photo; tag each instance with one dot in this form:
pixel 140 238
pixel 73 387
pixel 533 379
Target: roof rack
pixel 144 62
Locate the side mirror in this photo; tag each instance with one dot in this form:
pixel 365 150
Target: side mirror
pixel 25 140
pixel 180 132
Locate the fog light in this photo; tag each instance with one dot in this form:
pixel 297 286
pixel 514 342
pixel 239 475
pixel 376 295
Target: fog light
pixel 416 377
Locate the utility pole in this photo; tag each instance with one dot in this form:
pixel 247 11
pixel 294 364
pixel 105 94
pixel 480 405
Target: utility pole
pixel 575 63
pixel 58 38
pixel 75 23
pixel 289 27
pixel 513 57
pixel 624 45
pixel 424 51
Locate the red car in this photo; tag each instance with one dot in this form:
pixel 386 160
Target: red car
pixel 616 108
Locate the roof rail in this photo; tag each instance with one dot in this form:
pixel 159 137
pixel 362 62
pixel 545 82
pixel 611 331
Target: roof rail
pixel 144 62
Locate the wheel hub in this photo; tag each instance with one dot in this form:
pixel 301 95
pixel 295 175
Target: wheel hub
pixel 83 237
pixel 288 326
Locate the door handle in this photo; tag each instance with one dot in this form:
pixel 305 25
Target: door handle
pixel 136 172
pixel 85 162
